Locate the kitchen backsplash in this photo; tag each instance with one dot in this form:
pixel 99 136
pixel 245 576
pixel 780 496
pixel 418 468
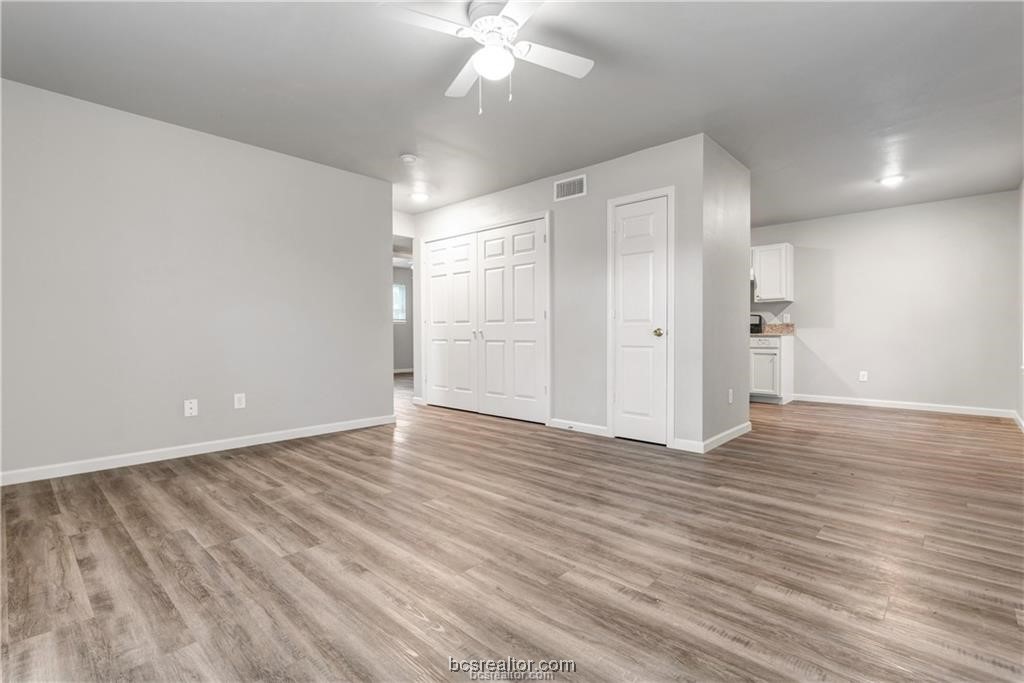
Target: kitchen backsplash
pixel 770 316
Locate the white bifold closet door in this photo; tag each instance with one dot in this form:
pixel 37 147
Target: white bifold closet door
pixel 487 330
pixel 512 331
pixel 451 322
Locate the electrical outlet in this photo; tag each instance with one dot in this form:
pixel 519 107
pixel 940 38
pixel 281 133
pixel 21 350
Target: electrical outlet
pixel 863 376
pixel 786 318
pixel 191 407
pixel 730 397
pixel 239 401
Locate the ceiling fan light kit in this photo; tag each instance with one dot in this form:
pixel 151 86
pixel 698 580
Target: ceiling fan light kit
pixel 495 26
pixel 493 62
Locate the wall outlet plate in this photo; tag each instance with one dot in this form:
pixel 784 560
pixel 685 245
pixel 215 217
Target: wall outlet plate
pixel 730 396
pixel 191 407
pixel 239 401
pixel 862 376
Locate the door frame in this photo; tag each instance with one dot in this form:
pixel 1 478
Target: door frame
pixel 548 314
pixel 669 193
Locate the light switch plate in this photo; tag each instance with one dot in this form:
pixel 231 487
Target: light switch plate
pixel 239 401
pixel 191 407
pixel 862 376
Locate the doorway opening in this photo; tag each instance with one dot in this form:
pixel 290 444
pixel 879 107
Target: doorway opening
pixel 402 314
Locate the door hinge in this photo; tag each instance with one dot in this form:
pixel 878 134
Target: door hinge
pixel 545 389
pixel 545 235
pixel 545 315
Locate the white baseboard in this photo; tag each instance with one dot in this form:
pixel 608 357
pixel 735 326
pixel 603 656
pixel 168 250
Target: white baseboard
pixel 1018 416
pixel 402 370
pixel 906 405
pixel 677 444
pixel 687 445
pixel 140 457
pixel 728 435
pixel 712 443
pixel 584 427
pixel 419 401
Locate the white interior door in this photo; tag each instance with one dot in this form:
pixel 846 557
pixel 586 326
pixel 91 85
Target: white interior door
pixel 512 328
pixel 451 321
pixel 640 314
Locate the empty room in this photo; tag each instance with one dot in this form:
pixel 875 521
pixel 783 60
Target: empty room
pixel 512 341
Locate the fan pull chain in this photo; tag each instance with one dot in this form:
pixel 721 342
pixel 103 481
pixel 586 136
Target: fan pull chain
pixel 509 86
pixel 480 96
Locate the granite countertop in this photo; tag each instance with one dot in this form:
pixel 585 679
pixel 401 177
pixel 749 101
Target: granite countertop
pixel 776 330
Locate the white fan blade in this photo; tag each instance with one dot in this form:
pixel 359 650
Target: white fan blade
pixel 428 21
pixel 556 60
pixel 520 11
pixel 463 82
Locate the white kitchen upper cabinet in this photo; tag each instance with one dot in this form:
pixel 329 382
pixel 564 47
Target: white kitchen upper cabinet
pixel 773 272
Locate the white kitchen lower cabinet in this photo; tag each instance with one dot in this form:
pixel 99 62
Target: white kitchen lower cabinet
pixel 771 369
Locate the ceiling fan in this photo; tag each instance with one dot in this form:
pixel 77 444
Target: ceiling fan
pixel 495 25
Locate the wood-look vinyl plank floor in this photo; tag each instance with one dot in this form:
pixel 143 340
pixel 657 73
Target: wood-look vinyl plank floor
pixel 830 543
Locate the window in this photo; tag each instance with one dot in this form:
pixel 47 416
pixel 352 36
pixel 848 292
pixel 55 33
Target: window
pixel 398 303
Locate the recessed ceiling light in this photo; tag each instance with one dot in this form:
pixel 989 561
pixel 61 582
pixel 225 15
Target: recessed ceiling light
pixel 419 196
pixel 892 180
pixel 409 159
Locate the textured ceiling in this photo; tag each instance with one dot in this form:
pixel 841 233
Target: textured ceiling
pixel 818 99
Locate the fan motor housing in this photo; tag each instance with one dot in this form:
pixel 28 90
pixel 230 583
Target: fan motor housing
pixel 484 8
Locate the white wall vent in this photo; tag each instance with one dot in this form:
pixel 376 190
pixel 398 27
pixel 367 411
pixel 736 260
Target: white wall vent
pixel 570 187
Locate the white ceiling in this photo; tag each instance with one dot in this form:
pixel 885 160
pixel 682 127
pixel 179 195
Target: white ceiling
pixel 818 99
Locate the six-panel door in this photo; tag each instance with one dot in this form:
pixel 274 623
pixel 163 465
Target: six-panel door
pixel 512 329
pixel 451 322
pixel 640 310
pixel 487 321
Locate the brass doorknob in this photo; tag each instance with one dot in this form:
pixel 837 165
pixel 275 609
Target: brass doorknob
pixel 658 332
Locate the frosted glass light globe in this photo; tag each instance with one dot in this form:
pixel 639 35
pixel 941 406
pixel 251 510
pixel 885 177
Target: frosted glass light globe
pixel 493 62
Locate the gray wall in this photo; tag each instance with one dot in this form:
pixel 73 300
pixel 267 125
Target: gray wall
pixel 924 297
pixel 1020 388
pixel 579 277
pixel 402 224
pixel 145 263
pixel 726 292
pixel 403 331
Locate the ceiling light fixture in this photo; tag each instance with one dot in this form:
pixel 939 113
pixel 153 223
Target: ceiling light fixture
pixel 419 196
pixel 409 159
pixel 892 180
pixel 493 62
